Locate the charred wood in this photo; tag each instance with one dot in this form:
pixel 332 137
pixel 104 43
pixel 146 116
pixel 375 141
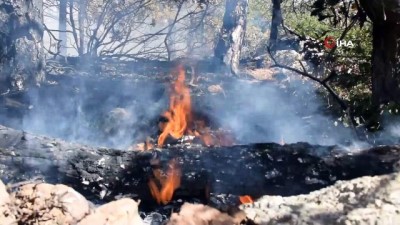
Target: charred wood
pixel 256 169
pixel 21 54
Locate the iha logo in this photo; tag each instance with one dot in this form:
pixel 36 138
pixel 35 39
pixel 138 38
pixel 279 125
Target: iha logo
pixel 330 42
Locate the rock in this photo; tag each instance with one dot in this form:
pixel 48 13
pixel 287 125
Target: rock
pixel 6 216
pixel 123 211
pixel 365 200
pixel 292 59
pixel 4 197
pixel 263 73
pixel 47 204
pixel 201 215
pixel 116 120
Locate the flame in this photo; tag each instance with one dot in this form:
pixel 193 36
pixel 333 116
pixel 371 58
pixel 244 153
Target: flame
pixel 179 112
pixel 169 183
pixel 181 121
pixel 245 199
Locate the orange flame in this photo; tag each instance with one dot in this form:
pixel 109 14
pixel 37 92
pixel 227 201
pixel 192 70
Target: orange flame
pixel 181 121
pixel 179 112
pixel 169 183
pixel 245 199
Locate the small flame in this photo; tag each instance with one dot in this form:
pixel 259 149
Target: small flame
pixel 169 183
pixel 245 199
pixel 179 112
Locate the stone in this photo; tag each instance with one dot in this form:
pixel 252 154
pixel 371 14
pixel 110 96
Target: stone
pixel 365 200
pixel 6 215
pixel 123 211
pixel 199 214
pixel 4 196
pixel 47 204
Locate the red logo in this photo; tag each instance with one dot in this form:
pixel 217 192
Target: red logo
pixel 329 42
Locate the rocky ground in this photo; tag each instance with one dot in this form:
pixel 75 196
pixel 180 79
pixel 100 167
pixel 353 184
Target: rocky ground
pixel 47 204
pixel 365 200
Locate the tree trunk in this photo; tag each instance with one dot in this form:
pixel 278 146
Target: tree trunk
pixel 385 63
pixel 81 23
pixel 21 41
pixel 232 34
pixel 256 169
pixel 62 26
pixel 386 48
pixel 275 23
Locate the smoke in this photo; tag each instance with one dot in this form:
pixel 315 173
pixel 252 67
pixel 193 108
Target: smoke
pixel 270 112
pixel 119 112
pixel 116 112
pixel 104 112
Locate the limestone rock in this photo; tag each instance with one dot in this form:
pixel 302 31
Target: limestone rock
pixel 123 211
pixel 198 214
pixel 365 200
pixel 6 216
pixel 47 204
pixel 4 197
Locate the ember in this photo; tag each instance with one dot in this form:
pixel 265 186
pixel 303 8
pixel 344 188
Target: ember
pixel 180 120
pixel 245 199
pixel 169 182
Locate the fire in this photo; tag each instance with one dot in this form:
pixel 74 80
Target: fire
pixel 245 199
pixel 180 118
pixel 168 182
pixel 179 113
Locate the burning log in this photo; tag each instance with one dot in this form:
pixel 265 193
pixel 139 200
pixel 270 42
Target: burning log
pixel 253 170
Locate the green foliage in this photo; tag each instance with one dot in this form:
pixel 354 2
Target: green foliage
pixel 321 18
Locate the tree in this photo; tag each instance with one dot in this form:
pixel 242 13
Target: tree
pixel 21 41
pixel 62 27
pixel 385 17
pixel 275 23
pixel 232 34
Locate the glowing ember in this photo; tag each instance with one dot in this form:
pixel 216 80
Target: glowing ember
pixel 168 182
pixel 245 199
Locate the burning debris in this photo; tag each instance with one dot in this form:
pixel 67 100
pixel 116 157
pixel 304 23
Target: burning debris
pixel 181 123
pixel 246 199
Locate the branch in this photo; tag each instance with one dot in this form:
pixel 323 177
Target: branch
pixel 344 33
pixel 170 30
pixel 55 54
pixel 323 83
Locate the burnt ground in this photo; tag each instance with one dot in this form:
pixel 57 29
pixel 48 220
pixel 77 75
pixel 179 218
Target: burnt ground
pixel 210 175
pixel 75 105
